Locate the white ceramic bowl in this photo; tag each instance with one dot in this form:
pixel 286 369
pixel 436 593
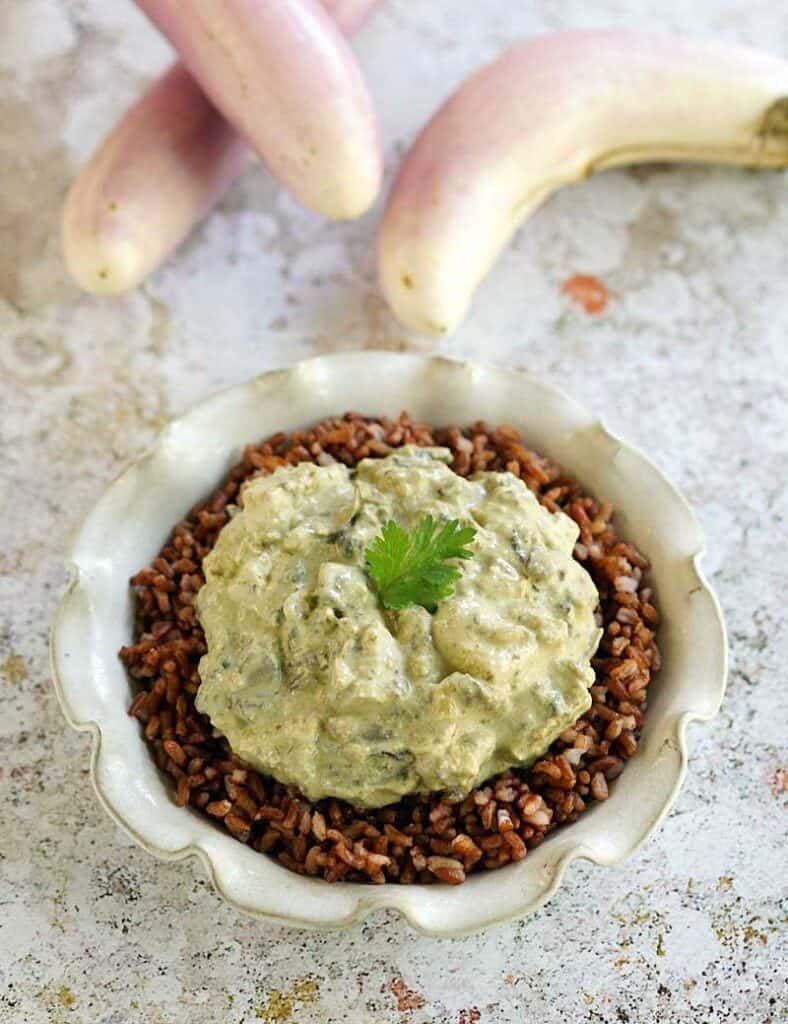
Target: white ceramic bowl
pixel 129 524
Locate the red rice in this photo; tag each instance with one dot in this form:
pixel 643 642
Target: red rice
pixel 422 838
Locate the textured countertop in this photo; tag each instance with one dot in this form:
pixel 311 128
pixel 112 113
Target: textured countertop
pixel 689 360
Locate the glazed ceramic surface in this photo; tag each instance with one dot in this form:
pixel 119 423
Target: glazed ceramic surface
pixel 132 520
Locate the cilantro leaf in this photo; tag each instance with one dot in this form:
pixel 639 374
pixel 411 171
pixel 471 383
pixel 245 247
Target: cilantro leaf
pixel 411 568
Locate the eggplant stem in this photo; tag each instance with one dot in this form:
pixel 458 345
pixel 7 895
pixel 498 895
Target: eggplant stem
pixel 775 121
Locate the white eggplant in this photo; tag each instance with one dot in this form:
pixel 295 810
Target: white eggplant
pixel 168 160
pixel 550 112
pixel 284 76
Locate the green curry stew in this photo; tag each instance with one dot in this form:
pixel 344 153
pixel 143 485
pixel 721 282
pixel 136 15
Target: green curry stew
pixel 313 682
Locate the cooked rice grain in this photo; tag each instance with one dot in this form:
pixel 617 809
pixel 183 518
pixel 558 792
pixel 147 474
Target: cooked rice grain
pixel 422 838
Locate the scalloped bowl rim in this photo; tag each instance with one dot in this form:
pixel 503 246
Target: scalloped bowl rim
pixel 121 769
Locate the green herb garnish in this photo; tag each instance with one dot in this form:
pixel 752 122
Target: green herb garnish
pixel 411 568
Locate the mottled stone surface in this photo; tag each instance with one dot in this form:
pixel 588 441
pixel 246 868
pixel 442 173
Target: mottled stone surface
pixel 689 360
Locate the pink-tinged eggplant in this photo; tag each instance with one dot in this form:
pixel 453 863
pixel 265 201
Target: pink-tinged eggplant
pixel 169 159
pixel 550 112
pixel 284 76
pixel 165 164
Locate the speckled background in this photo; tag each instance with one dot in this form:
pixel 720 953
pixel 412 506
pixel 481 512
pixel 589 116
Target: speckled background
pixel 689 360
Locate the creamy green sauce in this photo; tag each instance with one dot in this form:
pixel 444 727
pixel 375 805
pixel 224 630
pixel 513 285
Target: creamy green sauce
pixel 312 681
